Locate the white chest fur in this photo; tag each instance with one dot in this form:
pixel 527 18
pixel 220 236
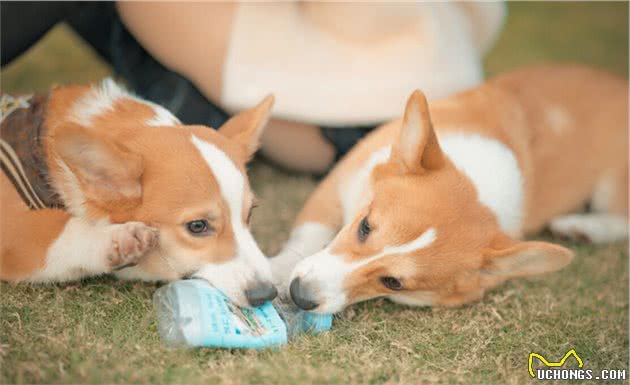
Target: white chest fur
pixel 490 165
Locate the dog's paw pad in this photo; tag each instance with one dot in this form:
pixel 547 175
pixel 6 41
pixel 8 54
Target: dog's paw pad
pixel 130 241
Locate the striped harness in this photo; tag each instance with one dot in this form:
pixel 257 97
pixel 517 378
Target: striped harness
pixel 23 152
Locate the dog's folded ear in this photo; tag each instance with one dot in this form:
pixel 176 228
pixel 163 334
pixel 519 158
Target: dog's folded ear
pixel 107 173
pixel 508 258
pixel 247 127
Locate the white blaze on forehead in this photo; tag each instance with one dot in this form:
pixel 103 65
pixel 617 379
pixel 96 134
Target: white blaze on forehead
pixel 327 271
pixel 355 192
pixel 424 240
pixel 230 179
pixel 249 264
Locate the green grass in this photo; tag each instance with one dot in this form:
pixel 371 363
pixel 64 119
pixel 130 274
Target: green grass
pixel 103 331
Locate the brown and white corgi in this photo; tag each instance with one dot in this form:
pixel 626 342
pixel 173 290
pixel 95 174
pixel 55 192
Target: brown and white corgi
pixel 428 209
pixel 109 183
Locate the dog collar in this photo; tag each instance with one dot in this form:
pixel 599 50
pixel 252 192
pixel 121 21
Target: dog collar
pixel 22 151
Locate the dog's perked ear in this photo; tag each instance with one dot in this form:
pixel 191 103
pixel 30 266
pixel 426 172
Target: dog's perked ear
pixel 247 127
pixel 107 173
pixel 417 149
pixel 508 258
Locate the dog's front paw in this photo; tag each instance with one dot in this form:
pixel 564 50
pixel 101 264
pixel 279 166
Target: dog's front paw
pixel 129 242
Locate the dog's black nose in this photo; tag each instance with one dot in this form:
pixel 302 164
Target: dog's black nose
pixel 260 293
pixel 300 296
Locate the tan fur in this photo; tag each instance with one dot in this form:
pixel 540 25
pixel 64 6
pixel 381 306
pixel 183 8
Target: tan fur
pixel 566 125
pixel 20 255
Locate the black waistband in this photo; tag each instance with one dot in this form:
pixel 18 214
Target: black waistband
pixel 343 139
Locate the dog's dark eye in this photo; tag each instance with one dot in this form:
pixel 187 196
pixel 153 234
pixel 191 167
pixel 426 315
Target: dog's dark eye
pixel 198 228
pixel 391 283
pixel 364 229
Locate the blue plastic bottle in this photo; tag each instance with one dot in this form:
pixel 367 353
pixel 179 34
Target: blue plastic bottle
pixel 194 313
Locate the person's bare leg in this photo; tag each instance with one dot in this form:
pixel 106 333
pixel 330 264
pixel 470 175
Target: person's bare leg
pixel 297 146
pixel 189 38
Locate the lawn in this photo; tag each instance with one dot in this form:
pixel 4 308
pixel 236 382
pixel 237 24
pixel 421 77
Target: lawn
pixel 103 331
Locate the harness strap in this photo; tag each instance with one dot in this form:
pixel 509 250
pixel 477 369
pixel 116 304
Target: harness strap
pixel 22 152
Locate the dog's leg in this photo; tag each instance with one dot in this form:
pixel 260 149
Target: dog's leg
pixel 86 249
pixel 609 220
pixel 596 228
pixel 49 245
pixel 316 225
pixel 25 237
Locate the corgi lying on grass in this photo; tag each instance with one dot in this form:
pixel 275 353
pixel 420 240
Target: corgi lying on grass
pixel 98 181
pixel 429 209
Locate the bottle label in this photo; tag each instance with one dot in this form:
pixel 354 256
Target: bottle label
pixel 245 321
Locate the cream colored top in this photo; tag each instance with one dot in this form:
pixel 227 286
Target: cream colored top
pixel 329 73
